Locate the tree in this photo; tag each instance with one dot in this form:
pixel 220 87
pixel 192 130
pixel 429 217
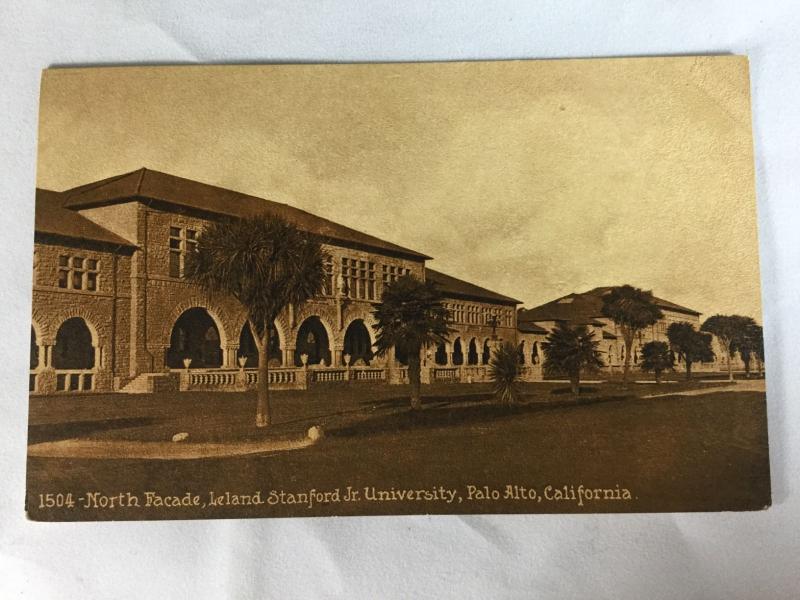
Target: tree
pixel 632 310
pixel 730 330
pixel 689 344
pixel 749 344
pixel 570 350
pixel 411 315
pixel 266 263
pixel 656 357
pixel 504 373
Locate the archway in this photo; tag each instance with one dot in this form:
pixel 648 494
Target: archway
pixel 401 356
pixel 441 354
pixel 535 353
pixel 34 362
pixel 357 342
pixel 458 353
pixel 249 350
pixel 312 339
pixel 74 348
pixel 472 352
pixel 521 353
pixel 486 356
pixel 195 336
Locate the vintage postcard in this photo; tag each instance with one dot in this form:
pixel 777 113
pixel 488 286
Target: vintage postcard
pixel 383 289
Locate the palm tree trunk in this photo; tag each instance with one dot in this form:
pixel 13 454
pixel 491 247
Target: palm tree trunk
pixel 688 370
pixel 575 383
pixel 263 413
pixel 414 379
pixel 658 377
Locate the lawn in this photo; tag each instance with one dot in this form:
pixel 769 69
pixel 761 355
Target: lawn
pixel 674 453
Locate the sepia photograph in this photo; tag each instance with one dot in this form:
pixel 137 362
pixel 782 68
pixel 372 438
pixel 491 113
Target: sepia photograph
pixel 525 286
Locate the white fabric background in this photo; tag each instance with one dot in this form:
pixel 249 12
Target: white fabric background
pixel 636 556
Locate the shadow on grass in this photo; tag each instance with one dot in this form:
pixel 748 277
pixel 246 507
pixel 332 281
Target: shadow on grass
pixel 451 414
pixel 50 432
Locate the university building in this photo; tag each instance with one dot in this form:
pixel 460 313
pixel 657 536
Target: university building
pixel 586 309
pixel 112 310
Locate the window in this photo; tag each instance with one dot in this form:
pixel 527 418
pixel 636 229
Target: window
pixel 182 241
pixel 78 273
pixel 359 279
pixel 327 283
pixel 392 273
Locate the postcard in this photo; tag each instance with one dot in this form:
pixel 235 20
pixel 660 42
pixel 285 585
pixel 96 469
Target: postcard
pixel 385 289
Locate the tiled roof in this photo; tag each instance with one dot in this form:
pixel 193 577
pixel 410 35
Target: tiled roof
pixel 52 218
pixel 527 327
pixel 584 308
pixel 458 288
pixel 155 185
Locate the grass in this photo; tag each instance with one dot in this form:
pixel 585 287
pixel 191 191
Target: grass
pixel 705 452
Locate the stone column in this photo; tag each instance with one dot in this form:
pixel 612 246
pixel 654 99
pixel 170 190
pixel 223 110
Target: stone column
pixel 288 356
pixel 46 377
pixel 230 356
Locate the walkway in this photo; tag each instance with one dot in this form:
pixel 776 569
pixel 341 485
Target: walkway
pixel 746 385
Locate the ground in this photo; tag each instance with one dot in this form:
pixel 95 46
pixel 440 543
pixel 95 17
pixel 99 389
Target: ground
pixel 706 451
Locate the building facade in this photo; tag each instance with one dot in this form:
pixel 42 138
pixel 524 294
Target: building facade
pixel 112 310
pixel 586 309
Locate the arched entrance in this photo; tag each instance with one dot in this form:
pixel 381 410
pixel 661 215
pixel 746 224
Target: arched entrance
pixel 74 349
pixel 458 352
pixel 535 353
pixel 249 350
pixel 441 354
pixel 487 353
pixel 312 339
pixel 521 353
pixel 401 356
pixel 194 336
pixel 74 352
pixel 472 352
pixel 34 350
pixel 357 342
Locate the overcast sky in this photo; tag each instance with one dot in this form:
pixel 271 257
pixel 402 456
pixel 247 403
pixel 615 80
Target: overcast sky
pixel 534 179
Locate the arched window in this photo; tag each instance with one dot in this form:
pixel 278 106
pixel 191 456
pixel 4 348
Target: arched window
pixel 458 352
pixel 74 352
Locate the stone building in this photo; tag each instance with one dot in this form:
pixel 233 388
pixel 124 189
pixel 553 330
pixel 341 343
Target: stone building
pixel 112 310
pixel 586 309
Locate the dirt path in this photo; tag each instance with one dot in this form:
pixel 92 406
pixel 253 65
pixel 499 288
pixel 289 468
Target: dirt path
pixel 105 449
pixel 752 385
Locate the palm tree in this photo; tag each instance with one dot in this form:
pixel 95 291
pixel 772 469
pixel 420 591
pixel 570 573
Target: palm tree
pixel 410 316
pixel 689 344
pixel 570 350
pixel 266 263
pixel 504 373
pixel 632 309
pixel 656 358
pixel 730 330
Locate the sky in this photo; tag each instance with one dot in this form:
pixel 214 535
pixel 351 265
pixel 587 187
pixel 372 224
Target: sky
pixel 531 178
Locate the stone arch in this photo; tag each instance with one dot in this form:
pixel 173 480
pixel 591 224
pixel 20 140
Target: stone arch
pixel 535 353
pixel 35 360
pixel 314 338
pixel 440 354
pixel 198 336
pixel 486 352
pixel 521 352
pixel 224 326
pixel 248 349
pixel 76 345
pixel 473 358
pixel 358 342
pixel 458 352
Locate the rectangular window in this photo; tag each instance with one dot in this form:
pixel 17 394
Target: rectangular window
pixel 182 241
pixel 359 279
pixel 78 273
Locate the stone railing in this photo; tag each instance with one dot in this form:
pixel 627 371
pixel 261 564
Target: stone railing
pixel 74 380
pixel 445 374
pixel 367 374
pixel 474 373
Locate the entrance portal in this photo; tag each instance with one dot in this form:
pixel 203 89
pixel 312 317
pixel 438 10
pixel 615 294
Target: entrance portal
pixel 194 336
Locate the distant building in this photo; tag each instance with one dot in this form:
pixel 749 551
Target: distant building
pixel 586 309
pixel 113 311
